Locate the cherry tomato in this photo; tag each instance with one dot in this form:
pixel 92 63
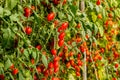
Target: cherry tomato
pixel 28 30
pixel 44 79
pixel 50 65
pixel 15 71
pixel 64 2
pixel 50 71
pixel 12 67
pixel 102 50
pixel 82 49
pixel 55 78
pixel 46 72
pixel 61 35
pixel 27 12
pixel 54 51
pixel 38 69
pixel 80 63
pixel 33 7
pixel 2 77
pixel 51 16
pixel 99 16
pixel 61 43
pixel 116 65
pixel 72 62
pixel 32 61
pixel 78 55
pixel 35 77
pixel 77 68
pixel 98 2
pixel 114 79
pixel 78 25
pixel 71 54
pixel 60 54
pixel 64 25
pixel 56 2
pixel 39 47
pixel 68 64
pixel 77 73
pixel 57 58
pixel 56 69
pixel 22 50
pixel 56 64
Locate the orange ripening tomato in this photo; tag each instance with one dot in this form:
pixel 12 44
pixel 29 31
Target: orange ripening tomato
pixel 99 16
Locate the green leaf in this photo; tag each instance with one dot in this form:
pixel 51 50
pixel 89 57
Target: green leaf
pixel 1 64
pixel 69 17
pixel 61 15
pixel 11 76
pixel 73 9
pixel 101 30
pixel 91 5
pixel 14 17
pixel 21 76
pixel 26 53
pixel 10 4
pixel 97 9
pixel 8 64
pixel 95 28
pixel 6 12
pixel 44 60
pixel 34 55
pixel 94 17
pixel 1 11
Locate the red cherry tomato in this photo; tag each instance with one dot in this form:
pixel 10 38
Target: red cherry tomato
pixel 57 58
pixel 72 62
pixel 2 77
pixel 77 68
pixel 35 77
pixel 50 71
pixel 64 25
pixel 77 73
pixel 98 2
pixel 28 30
pixel 80 63
pixel 51 16
pixel 15 71
pixel 38 69
pixel 68 64
pixel 44 79
pixel 55 78
pixel 78 25
pixel 56 64
pixel 61 43
pixel 27 12
pixel 56 69
pixel 32 61
pixel 54 51
pixel 46 72
pixel 82 49
pixel 56 2
pixel 50 65
pixel 61 35
pixel 116 65
pixel 39 47
pixel 64 2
